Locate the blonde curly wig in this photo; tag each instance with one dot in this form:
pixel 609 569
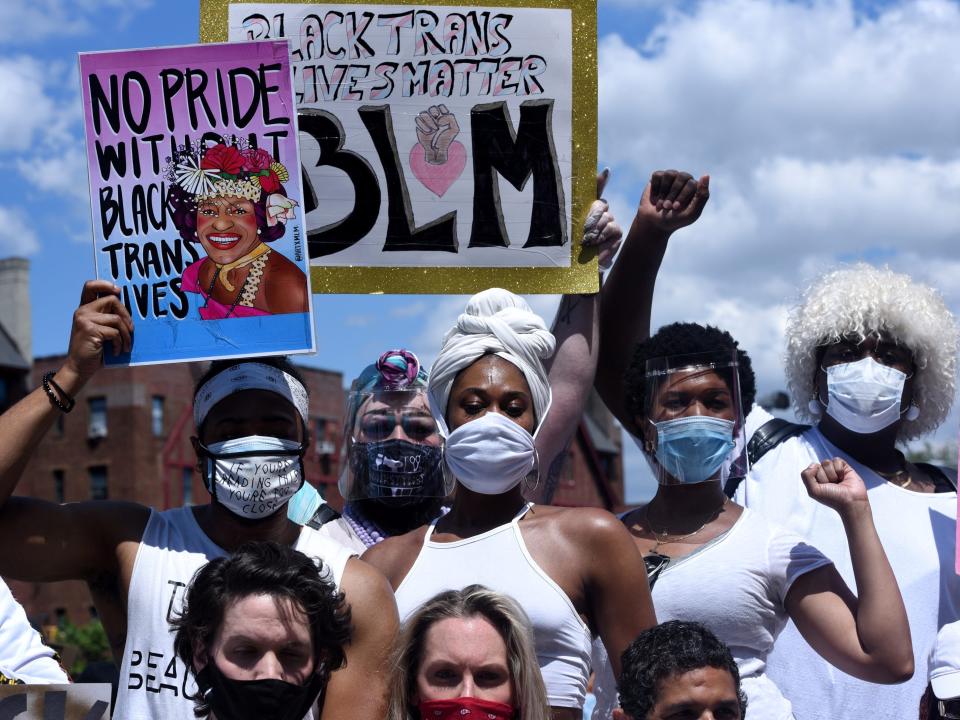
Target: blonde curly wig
pixel 861 300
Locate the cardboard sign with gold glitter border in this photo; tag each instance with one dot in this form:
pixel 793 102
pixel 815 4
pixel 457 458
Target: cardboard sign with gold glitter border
pixel 405 152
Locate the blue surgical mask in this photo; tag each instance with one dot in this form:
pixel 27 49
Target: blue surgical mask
pixel 692 449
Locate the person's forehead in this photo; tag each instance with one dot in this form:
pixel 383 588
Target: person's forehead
pixel 464 640
pixel 701 683
pixel 692 379
pixel 264 617
pixel 492 371
pixel 399 400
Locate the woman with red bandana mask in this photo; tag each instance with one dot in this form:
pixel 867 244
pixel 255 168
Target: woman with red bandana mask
pixel 467 655
pixel 231 201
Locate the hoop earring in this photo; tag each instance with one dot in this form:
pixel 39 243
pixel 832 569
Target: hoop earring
pixel 536 471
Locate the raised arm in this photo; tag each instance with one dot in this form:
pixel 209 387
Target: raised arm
pixel 670 201
pixel 44 541
pixel 867 637
pixel 573 365
pixel 358 691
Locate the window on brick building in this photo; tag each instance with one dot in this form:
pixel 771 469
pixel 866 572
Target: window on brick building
pixel 58 486
pixel 98 482
pixel 188 486
pixel 98 418
pixel 156 415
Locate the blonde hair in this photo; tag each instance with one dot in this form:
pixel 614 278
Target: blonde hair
pixel 504 614
pixel 861 300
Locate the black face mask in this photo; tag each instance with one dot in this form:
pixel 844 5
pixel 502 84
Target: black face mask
pixel 398 471
pixel 256 699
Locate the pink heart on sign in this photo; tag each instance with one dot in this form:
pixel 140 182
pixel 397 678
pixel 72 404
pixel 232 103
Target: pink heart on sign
pixel 438 178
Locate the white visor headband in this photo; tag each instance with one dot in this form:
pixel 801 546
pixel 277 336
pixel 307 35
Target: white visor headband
pixel 250 376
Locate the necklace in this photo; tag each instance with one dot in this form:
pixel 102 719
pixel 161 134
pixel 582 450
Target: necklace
pixel 664 537
pixel 224 270
pixel 251 284
pixel 891 477
pixel 366 529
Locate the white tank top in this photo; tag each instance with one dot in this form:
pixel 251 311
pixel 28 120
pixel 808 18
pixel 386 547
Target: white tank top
pixel 499 560
pixel 173 548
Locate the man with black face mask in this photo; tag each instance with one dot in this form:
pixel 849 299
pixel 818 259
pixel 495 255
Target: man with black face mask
pixel 392 474
pixel 262 630
pixel 251 436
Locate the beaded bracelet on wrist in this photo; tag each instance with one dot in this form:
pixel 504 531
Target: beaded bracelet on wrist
pixel 49 385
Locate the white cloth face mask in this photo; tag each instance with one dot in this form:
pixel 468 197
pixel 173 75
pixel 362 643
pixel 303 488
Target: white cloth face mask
pixel 864 396
pixel 490 455
pixel 253 476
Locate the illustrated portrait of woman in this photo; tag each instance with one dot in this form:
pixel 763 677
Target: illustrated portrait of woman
pixel 231 200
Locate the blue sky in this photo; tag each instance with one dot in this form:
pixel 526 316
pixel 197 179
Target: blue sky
pixel 831 131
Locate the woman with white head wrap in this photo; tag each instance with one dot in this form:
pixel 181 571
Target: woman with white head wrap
pixel 489 391
pixel 871 359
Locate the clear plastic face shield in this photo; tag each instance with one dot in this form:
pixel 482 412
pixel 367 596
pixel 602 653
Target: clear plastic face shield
pixel 392 448
pixel 694 428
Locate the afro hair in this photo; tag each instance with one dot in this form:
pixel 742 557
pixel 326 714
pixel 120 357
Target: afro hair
pixel 686 339
pixel 861 300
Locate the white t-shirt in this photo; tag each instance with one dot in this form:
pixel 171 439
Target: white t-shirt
pixel 153 680
pixel 918 532
pixel 736 585
pixel 23 656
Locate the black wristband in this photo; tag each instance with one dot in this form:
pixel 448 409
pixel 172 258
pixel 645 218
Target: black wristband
pixel 65 405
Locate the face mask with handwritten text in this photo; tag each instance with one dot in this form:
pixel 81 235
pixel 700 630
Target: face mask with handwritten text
pixel 253 476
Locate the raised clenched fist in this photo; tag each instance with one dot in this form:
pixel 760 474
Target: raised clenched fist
pixel 436 129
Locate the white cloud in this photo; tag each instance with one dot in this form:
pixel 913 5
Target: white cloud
pixel 26 111
pixel 64 173
pixel 737 81
pixel 16 234
pixel 29 21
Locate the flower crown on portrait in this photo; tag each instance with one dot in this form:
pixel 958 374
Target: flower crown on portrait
pixel 233 171
pixel 224 170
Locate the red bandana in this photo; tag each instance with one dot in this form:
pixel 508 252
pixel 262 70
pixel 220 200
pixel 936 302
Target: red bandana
pixel 465 708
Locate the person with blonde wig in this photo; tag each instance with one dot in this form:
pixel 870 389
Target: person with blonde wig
pixel 871 360
pixel 467 654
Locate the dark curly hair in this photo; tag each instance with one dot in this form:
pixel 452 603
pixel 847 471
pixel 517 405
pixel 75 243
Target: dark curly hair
pixel 673 648
pixel 183 213
pixel 686 339
pixel 263 568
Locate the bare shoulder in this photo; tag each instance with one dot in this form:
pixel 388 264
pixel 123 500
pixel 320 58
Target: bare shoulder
pixel 287 289
pixel 363 584
pixel 583 522
pixel 395 556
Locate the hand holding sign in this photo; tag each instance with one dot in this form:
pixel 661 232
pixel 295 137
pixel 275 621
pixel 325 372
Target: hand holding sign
pixel 600 230
pixel 101 320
